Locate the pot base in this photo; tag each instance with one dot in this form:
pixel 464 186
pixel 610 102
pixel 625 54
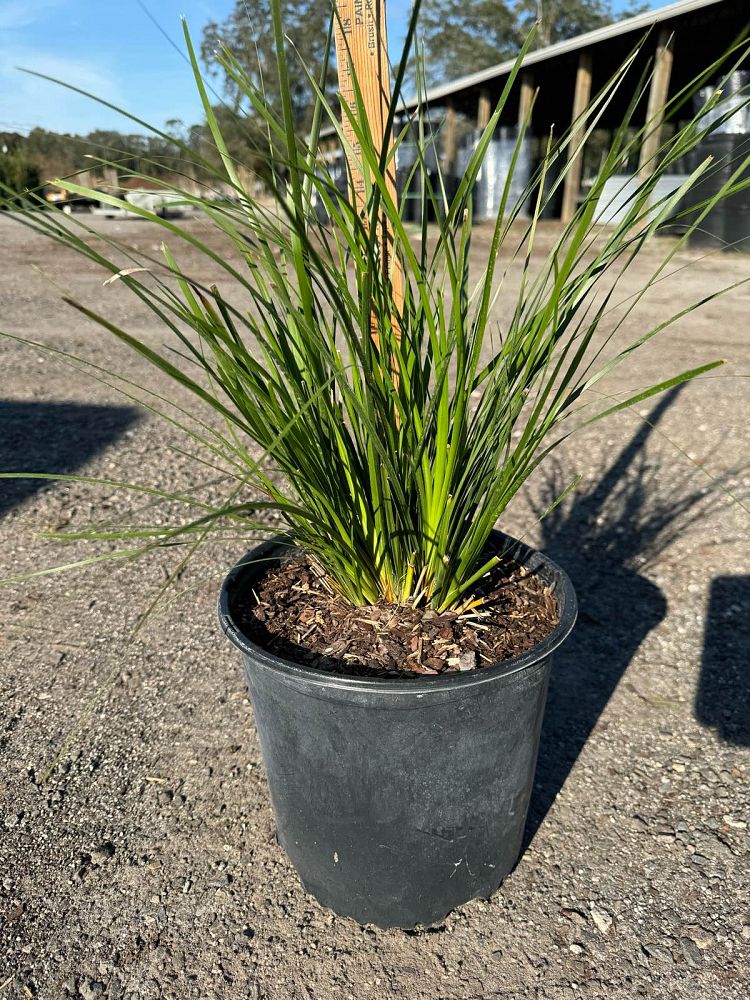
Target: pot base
pixel 427 908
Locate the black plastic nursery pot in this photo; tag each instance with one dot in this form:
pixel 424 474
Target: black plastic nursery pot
pixel 398 799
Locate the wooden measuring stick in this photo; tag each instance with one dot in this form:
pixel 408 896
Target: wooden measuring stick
pixel 362 46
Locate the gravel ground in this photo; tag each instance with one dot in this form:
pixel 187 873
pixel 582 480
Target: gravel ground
pixel 146 866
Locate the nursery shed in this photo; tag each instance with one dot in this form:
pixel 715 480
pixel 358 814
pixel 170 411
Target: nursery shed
pixel 681 38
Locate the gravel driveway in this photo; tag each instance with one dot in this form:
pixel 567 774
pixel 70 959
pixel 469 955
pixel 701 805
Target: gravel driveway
pixel 145 866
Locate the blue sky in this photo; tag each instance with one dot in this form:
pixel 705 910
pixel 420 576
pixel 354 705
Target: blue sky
pixel 113 50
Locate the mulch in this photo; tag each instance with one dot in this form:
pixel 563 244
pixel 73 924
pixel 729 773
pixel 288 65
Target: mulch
pixel 293 613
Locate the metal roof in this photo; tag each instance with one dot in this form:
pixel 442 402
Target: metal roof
pixel 639 22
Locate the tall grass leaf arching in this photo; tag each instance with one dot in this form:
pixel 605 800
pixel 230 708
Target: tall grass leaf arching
pixel 392 484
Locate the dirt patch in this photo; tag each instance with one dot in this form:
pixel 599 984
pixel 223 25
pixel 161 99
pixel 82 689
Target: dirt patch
pixel 292 612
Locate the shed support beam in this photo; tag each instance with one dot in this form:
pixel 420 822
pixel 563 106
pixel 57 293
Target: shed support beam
pixel 484 109
pixel 450 145
pixel 657 97
pixel 581 98
pixel 525 97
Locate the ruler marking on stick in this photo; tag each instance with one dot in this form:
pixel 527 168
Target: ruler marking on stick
pixel 361 44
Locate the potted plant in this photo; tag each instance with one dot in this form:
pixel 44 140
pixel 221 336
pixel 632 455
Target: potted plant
pixel 396 646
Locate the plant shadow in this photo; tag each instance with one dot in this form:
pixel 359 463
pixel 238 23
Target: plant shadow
pixel 723 697
pixel 53 438
pixel 604 538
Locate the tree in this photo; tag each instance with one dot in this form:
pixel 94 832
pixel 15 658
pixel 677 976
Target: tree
pixel 18 172
pixel 248 34
pixel 243 135
pixel 462 36
pixel 561 19
pixel 55 154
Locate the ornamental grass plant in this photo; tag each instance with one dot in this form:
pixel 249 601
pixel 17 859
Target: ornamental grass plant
pixel 390 457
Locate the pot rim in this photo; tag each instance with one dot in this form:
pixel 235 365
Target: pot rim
pixel 531 559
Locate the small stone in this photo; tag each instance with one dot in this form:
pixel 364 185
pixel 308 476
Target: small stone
pixel 602 920
pixel 703 938
pixel 659 952
pixel 577 949
pixel 736 824
pixel 714 848
pixel 102 854
pixel 691 951
pixel 91 989
pixel 745 932
pixel 575 916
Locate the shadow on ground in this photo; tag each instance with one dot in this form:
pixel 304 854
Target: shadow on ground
pixel 723 697
pixel 53 437
pixel 603 537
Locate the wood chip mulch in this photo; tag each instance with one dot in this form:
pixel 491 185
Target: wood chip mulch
pixel 291 612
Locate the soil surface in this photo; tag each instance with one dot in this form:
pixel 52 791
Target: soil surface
pixel 144 865
pixel 294 613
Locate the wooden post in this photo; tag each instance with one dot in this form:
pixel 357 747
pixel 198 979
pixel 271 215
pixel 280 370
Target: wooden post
pixel 581 98
pixel 362 49
pixel 450 142
pixel 657 98
pixel 484 109
pixel 525 97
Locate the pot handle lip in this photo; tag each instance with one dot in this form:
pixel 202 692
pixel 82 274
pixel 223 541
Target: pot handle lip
pixel 313 679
